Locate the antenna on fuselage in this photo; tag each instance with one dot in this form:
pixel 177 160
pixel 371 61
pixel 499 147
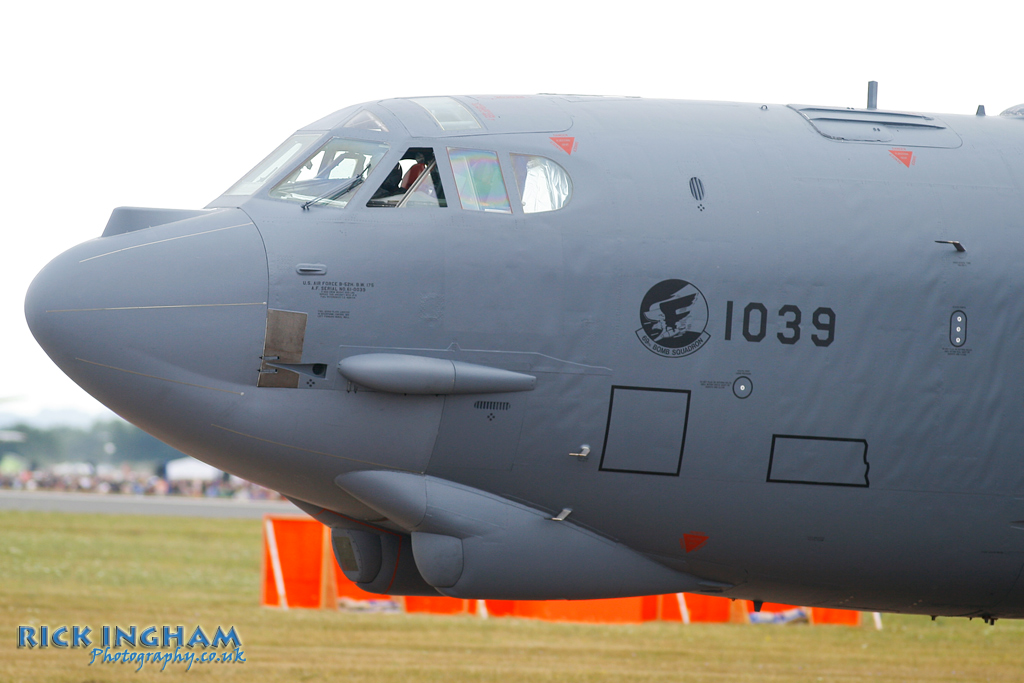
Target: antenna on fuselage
pixel 872 94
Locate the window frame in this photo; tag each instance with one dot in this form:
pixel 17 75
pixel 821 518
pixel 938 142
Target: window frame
pixel 329 201
pixel 522 198
pixel 433 166
pixel 501 172
pixel 283 169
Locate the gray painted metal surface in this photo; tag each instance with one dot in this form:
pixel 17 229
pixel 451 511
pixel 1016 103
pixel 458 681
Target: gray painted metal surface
pixel 746 330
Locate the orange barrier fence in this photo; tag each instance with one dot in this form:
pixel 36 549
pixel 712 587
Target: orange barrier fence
pixel 299 571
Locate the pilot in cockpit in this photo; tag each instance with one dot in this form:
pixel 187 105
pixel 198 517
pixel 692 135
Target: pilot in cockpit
pixel 414 171
pixel 405 186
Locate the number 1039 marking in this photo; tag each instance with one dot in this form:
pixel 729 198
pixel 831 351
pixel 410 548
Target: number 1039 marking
pixel 754 323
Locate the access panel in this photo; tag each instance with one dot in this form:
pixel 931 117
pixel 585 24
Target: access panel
pixel 479 431
pixel 818 460
pixel 646 430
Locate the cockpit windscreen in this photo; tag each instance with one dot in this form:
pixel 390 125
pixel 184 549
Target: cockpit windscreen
pixel 332 174
pixel 281 157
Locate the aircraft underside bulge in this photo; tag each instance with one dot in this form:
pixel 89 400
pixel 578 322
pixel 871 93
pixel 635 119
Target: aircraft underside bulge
pixel 470 544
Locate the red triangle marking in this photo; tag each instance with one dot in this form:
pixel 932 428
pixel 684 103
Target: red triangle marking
pixel 566 143
pixel 904 156
pixel 693 542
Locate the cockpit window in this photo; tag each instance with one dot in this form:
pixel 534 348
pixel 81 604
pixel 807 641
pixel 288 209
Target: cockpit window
pixel 366 120
pixel 332 174
pixel 278 159
pixel 478 180
pixel 543 184
pixel 414 181
pixel 449 113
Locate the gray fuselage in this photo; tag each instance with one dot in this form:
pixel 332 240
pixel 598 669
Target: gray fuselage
pixel 743 354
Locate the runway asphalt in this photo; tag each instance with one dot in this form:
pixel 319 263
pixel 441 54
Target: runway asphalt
pixel 115 504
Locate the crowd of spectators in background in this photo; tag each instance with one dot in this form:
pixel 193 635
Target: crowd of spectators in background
pixel 110 479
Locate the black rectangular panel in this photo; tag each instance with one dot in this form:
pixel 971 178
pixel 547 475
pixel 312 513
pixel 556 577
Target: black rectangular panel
pixel 646 430
pixel 818 460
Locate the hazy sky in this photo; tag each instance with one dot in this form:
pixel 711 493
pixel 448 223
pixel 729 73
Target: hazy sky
pixel 166 104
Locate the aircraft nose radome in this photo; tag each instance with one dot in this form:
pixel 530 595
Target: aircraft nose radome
pixel 136 315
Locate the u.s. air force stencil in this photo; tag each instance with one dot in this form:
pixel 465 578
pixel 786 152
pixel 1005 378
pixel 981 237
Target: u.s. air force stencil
pixel 673 316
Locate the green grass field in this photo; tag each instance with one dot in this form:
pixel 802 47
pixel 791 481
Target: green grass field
pixel 94 570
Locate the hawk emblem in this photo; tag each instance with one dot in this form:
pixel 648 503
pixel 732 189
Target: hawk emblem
pixel 673 318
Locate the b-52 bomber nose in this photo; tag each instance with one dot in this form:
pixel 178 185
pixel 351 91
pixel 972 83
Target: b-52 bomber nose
pixel 155 322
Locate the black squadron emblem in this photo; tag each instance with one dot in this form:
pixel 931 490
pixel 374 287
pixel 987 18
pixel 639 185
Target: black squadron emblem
pixel 673 316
